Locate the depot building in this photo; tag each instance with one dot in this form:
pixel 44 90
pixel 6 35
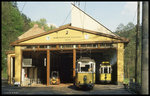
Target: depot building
pixel 37 53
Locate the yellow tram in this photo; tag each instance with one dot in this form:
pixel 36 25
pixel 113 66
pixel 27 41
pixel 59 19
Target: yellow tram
pixel 105 71
pixel 85 72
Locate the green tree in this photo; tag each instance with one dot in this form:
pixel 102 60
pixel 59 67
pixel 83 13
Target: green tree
pixel 43 23
pixel 129 31
pixel 26 24
pixel 120 28
pixel 13 24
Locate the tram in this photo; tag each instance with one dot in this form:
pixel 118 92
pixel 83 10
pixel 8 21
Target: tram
pixel 85 72
pixel 105 71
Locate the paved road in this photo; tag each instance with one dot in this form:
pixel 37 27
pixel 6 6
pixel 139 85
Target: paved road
pixel 64 89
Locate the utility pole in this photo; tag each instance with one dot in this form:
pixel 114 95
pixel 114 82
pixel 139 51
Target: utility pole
pixel 137 40
pixel 145 51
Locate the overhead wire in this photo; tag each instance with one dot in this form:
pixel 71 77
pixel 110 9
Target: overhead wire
pixel 67 15
pixel 82 18
pixel 79 4
pixel 23 6
pixel 82 26
pixel 134 16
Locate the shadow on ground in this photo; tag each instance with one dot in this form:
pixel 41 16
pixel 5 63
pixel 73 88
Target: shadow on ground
pixel 79 89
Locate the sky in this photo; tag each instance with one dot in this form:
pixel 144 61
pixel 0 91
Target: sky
pixel 110 14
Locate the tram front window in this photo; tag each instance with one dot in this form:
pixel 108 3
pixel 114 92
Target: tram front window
pixel 105 69
pixel 85 68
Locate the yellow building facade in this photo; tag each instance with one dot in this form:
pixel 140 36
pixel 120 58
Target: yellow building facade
pixel 63 39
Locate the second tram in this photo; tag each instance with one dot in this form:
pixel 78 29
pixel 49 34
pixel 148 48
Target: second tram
pixel 105 72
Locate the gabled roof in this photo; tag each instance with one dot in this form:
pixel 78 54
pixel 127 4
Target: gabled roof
pixel 68 26
pixel 33 31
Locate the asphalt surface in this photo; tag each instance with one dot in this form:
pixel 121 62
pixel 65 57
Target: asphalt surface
pixel 63 89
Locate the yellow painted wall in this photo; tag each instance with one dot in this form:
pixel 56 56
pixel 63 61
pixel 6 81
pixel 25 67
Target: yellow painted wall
pixel 120 62
pixel 9 68
pixel 72 36
pixel 17 63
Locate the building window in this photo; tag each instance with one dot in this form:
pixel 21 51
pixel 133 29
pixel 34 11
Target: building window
pixel 95 45
pixel 32 46
pixel 48 46
pixel 114 45
pixel 67 46
pixel 52 46
pixel 83 45
pixel 105 70
pixel 89 45
pixel 43 46
pixel 106 45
